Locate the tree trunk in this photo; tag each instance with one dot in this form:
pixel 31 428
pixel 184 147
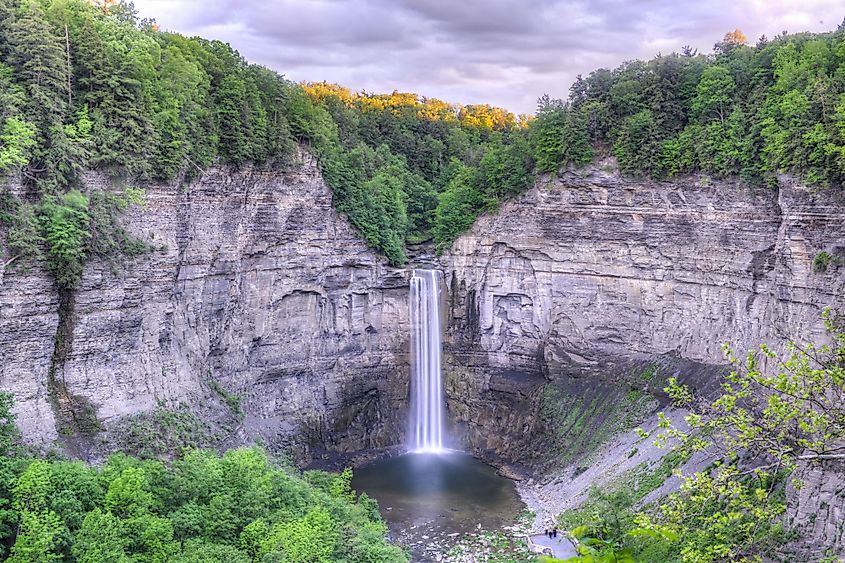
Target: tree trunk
pixel 6 264
pixel 69 70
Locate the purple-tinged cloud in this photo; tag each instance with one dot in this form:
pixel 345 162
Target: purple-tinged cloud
pixel 503 52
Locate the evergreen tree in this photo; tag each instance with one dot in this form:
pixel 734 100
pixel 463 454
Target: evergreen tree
pixel 232 117
pixel 39 59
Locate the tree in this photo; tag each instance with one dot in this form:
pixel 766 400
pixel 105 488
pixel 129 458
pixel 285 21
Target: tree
pixel 128 494
pixel 504 169
pixel 39 537
pixel 458 206
pixel 714 95
pixel 547 133
pixel 763 424
pixel 23 239
pixel 310 539
pixel 101 538
pixel 688 51
pixel 231 108
pixel 150 538
pixel 636 145
pixel 199 551
pixel 731 40
pixel 17 140
pixel 735 37
pixel 65 225
pixel 38 57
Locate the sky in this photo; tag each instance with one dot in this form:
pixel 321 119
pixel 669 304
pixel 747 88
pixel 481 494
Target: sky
pixel 502 52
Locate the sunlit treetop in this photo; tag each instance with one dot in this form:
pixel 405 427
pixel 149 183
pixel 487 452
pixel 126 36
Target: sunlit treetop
pixel 482 116
pixel 735 37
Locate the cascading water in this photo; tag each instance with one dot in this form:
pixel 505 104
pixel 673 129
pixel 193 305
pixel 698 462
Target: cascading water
pixel 434 494
pixel 426 425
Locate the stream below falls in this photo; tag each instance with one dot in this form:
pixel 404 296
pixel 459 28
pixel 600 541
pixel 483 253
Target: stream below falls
pixel 429 500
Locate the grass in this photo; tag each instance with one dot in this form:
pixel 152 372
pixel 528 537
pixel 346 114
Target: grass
pixel 581 424
pixel 163 432
pixel 232 400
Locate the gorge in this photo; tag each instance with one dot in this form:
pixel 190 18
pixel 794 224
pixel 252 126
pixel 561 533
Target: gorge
pixel 246 319
pixel 569 289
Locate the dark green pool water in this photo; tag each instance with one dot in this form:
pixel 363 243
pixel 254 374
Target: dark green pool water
pixel 431 499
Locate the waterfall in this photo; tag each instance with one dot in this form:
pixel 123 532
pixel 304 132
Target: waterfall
pixel 426 425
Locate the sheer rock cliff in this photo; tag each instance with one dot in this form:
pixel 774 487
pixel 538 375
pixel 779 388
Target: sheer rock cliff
pixel 258 307
pixel 589 278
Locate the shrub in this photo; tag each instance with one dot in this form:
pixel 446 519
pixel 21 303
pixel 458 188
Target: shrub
pixel 822 261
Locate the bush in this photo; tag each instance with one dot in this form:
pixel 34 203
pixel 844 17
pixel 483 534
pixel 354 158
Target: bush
pixel 65 223
pixel 238 507
pixel 822 261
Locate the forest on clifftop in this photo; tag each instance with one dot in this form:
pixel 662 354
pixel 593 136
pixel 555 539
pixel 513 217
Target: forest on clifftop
pixel 87 86
pixel 91 86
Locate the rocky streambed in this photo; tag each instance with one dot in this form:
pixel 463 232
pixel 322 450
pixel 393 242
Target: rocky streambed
pixel 432 501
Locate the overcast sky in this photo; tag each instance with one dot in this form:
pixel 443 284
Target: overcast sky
pixel 503 52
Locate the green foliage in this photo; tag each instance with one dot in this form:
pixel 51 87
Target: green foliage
pixel 635 145
pixel 747 111
pixel 11 467
pixel 162 432
pixel 202 507
pixel 108 237
pixel 66 229
pixel 122 96
pixel 147 104
pixel 23 238
pixel 423 145
pixel 758 429
pixel 311 538
pixel 17 138
pixel 8 428
pixel 822 261
pixel 714 94
pixel 65 223
pixel 84 87
pixel 232 400
pixel 459 205
pixel 578 423
pixel 606 524
pixel 119 95
pixel 793 405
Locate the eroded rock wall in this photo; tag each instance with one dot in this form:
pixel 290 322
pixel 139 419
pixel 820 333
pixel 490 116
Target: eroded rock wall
pixel 257 290
pixel 587 277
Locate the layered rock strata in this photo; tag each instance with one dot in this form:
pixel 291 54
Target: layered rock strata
pixel 256 297
pixel 589 278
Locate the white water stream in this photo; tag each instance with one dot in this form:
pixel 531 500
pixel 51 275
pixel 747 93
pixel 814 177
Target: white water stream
pixel 427 401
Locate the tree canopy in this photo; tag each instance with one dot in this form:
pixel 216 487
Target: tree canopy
pixel 88 85
pixel 747 111
pixel 241 507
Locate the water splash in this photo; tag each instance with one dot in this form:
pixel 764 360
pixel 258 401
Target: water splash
pixel 426 425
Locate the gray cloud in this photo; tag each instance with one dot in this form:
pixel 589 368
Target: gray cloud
pixel 504 52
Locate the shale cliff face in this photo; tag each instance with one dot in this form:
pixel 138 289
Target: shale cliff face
pixel 257 291
pixel 589 277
